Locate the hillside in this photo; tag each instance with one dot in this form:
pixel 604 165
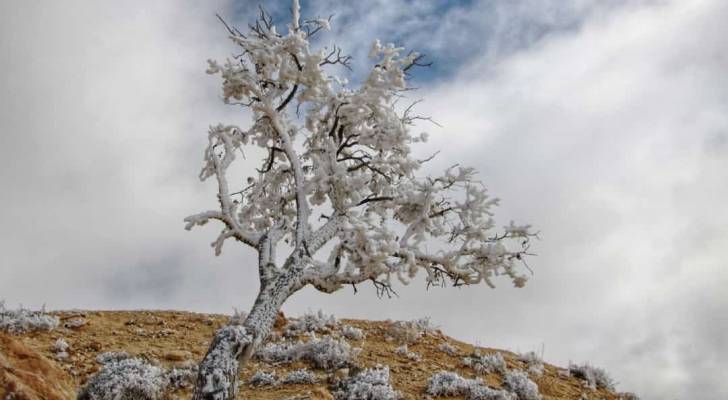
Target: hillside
pixel 36 365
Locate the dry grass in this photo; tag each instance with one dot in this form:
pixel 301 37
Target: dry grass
pixel 173 337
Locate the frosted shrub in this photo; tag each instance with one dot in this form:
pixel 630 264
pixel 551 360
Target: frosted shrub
pixel 299 376
pixel 404 351
pixel 628 396
pixel 112 356
pixel 519 383
pixel 446 383
pixel 277 353
pixel 329 353
pixel 595 377
pixel 409 331
pixel 447 348
pixel 309 323
pixel 370 384
pixel 262 378
pixel 485 363
pixel 24 320
pixel 182 376
pixel 483 392
pixel 129 379
pixel 352 333
pixel 533 362
pixel 451 384
pixel 326 353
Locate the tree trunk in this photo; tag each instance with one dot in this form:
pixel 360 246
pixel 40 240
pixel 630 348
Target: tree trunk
pixel 233 345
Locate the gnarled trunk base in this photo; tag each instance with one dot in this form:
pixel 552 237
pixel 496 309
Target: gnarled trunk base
pixel 233 345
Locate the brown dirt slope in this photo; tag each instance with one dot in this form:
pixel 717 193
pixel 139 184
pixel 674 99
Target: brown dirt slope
pixel 26 374
pixel 30 367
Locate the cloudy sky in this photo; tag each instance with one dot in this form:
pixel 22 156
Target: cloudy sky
pixel 602 123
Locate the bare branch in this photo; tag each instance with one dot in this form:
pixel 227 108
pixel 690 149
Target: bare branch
pixel 416 62
pixel 372 199
pixel 335 57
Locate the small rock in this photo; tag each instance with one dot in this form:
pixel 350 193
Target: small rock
pixel 95 346
pixel 75 323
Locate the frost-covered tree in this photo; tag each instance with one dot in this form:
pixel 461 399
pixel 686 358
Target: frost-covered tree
pixel 338 190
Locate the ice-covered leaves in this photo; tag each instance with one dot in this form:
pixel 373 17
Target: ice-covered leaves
pixel 127 379
pixel 329 353
pixel 447 348
pixel 299 376
pixel 451 384
pixel 295 377
pixel 519 383
pixel 405 351
pixel 352 332
pixel 408 332
pixel 311 323
pixel 369 384
pixel 446 383
pixel 263 378
pixel 123 377
pixel 533 361
pixel 182 376
pixel 485 363
pixel 594 377
pixel 24 320
pixel 325 353
pixel 111 356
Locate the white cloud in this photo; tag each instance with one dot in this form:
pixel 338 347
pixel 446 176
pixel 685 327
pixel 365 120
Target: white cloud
pixel 610 140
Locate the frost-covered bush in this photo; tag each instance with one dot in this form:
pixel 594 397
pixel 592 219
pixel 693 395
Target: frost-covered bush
pixel 352 333
pixel 280 353
pixel 483 392
pixel 263 378
pixel 129 379
pixel 325 353
pixel 485 363
pixel 450 384
pixel 182 376
pixel 328 353
pixel 112 356
pixel 404 351
pixel 533 362
pixel 369 384
pixel 310 322
pixel 519 383
pixel 628 396
pixel 299 376
pixel 595 377
pixel 409 331
pixel 24 320
pixel 446 347
pixel 445 383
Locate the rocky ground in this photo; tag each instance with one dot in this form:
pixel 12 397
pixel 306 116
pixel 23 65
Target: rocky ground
pixel 34 366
